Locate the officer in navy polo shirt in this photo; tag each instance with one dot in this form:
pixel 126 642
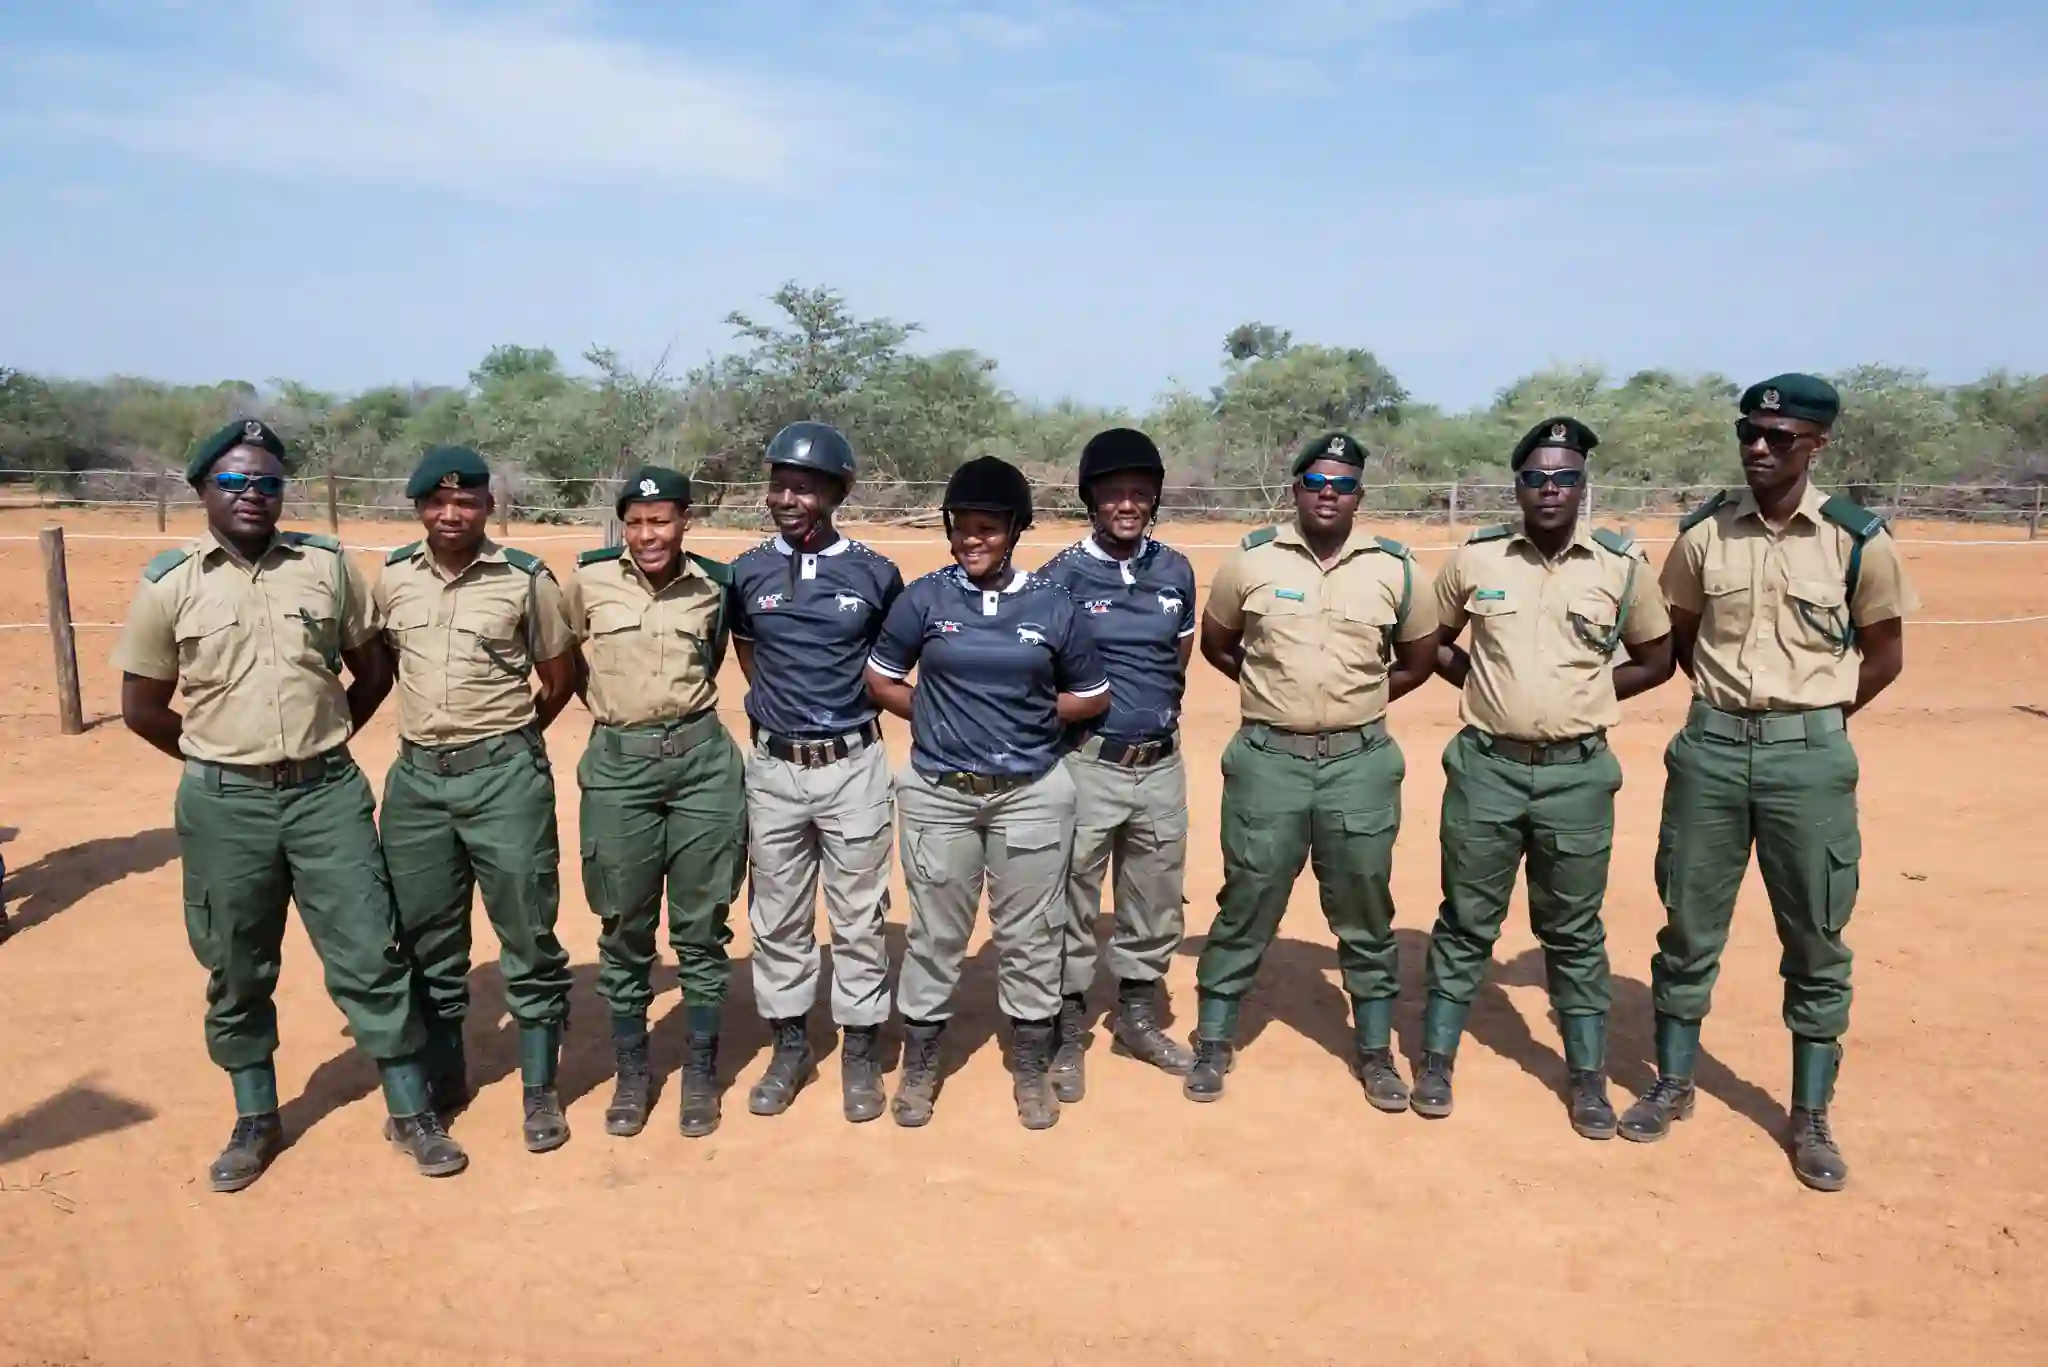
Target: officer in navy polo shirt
pixel 1004 662
pixel 1131 793
pixel 807 606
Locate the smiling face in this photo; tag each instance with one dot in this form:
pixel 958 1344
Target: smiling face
pixel 1325 511
pixel 247 515
pixel 654 536
pixel 1122 504
pixel 455 519
pixel 980 541
pixel 800 501
pixel 1551 507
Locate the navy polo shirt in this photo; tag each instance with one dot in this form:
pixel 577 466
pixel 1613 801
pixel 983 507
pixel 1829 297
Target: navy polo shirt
pixel 812 620
pixel 990 668
pixel 1138 612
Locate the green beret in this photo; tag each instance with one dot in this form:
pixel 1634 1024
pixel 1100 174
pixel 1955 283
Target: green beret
pixel 652 484
pixel 1341 447
pixel 448 467
pixel 1807 397
pixel 240 432
pixel 1566 433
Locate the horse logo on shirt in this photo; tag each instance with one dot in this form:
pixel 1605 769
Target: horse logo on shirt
pixel 850 602
pixel 1031 636
pixel 1170 602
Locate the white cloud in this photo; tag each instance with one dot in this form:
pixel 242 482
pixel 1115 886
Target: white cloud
pixel 946 32
pixel 426 92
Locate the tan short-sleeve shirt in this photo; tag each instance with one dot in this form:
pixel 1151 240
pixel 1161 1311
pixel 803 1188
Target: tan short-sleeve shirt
pixel 467 643
pixel 249 646
pixel 1316 639
pixel 650 654
pixel 1539 671
pixel 1771 605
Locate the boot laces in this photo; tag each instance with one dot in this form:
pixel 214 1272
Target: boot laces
pixel 1667 1091
pixel 249 1132
pixel 428 1125
pixel 1817 1129
pixel 1207 1051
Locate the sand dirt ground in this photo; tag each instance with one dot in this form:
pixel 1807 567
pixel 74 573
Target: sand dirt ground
pixel 1289 1224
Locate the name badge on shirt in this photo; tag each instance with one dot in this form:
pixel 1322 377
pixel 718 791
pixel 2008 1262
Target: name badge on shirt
pixel 1490 595
pixel 1291 595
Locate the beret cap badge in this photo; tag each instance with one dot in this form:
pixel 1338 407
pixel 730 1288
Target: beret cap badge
pixel 1558 431
pixel 253 430
pixel 451 480
pixel 1336 447
pixel 1771 399
pixel 648 488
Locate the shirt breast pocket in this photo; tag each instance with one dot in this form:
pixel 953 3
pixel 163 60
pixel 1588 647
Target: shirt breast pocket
pixel 488 641
pixel 614 633
pixel 1365 630
pixel 1593 618
pixel 1821 610
pixel 1491 611
pixel 212 646
pixel 1277 618
pixel 1729 603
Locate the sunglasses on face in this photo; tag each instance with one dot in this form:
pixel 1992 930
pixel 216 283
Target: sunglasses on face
pixel 1315 482
pixel 237 483
pixel 1537 479
pixel 1748 433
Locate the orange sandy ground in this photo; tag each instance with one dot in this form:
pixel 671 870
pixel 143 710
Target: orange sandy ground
pixel 1288 1224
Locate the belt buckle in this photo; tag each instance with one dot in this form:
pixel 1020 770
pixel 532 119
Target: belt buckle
pixel 1322 745
pixel 441 763
pixel 668 745
pixel 1753 729
pixel 1145 754
pixel 815 753
pixel 281 774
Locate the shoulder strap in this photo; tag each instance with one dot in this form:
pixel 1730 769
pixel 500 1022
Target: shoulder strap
pixel 1704 511
pixel 313 539
pixel 526 562
pixel 533 567
pixel 600 555
pixel 403 553
pixel 1861 524
pixel 1621 543
pixel 721 629
pixel 1395 548
pixel 1253 540
pixel 163 562
pixel 1493 533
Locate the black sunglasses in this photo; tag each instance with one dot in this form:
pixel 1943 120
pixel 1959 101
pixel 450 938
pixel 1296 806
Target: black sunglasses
pixel 235 482
pixel 1780 441
pixel 1563 479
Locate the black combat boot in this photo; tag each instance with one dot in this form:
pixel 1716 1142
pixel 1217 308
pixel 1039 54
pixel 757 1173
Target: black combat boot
pixel 256 1141
pixel 1432 1095
pixel 1372 1055
pixel 1038 1106
pixel 633 1093
pixel 1585 1055
pixel 1672 1098
pixel 792 1065
pixel 917 1090
pixel 1136 1030
pixel 540 1053
pixel 700 1072
pixel 860 1073
pixel 1815 1159
pixel 425 1140
pixel 1070 1060
pixel 1443 1025
pixel 1215 1056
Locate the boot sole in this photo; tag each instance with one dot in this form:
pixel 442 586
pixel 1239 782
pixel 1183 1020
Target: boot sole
pixel 447 1168
pixel 1428 1110
pixel 911 1122
pixel 233 1185
pixel 548 1145
pixel 1119 1048
pixel 1820 1183
pixel 699 1130
pixel 1201 1098
pixel 1684 1112
pixel 1397 1107
pixel 624 1129
pixel 1069 1094
pixel 1596 1131
pixel 861 1115
pixel 1046 1126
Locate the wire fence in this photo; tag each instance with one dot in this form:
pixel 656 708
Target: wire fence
pixel 585 502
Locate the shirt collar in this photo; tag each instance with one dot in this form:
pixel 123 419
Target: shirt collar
pixel 1290 535
pixel 1809 505
pixel 212 542
pixel 1093 547
pixel 834 549
pixel 489 553
pixel 1018 578
pixel 631 569
pixel 1582 538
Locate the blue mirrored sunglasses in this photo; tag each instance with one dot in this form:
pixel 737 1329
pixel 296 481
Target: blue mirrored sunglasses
pixel 235 482
pixel 1315 482
pixel 1563 479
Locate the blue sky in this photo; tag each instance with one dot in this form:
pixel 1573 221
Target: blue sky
pixel 350 192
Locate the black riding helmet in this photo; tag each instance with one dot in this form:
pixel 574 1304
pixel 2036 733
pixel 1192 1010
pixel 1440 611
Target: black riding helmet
pixel 814 446
pixel 987 484
pixel 1120 448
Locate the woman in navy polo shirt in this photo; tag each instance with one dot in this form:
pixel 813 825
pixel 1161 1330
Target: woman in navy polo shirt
pixel 1003 663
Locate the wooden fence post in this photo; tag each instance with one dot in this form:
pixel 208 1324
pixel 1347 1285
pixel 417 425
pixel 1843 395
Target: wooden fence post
pixel 63 645
pixel 1454 507
pixel 2034 523
pixel 163 483
pixel 504 498
pixel 333 503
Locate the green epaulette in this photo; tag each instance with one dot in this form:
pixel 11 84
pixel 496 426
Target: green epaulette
pixel 404 552
pixel 600 555
pixel 314 539
pixel 1392 547
pixel 1619 542
pixel 526 562
pixel 163 562
pixel 1253 540
pixel 1493 533
pixel 717 571
pixel 1852 517
pixel 1704 511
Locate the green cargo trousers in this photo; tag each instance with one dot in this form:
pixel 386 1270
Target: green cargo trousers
pixel 1785 783
pixel 663 805
pixel 491 825
pixel 253 845
pixel 1559 814
pixel 1281 809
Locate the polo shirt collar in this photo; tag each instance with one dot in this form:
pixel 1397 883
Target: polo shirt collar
pixel 834 549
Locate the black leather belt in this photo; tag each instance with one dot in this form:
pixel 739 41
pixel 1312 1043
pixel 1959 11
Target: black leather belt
pixel 1577 750
pixel 816 754
pixel 292 773
pixel 453 761
pixel 984 785
pixel 1138 756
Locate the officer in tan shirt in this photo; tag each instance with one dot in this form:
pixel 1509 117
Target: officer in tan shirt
pixel 471 800
pixel 252 627
pixel 1552 603
pixel 1322 626
pixel 1787 610
pixel 662 786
